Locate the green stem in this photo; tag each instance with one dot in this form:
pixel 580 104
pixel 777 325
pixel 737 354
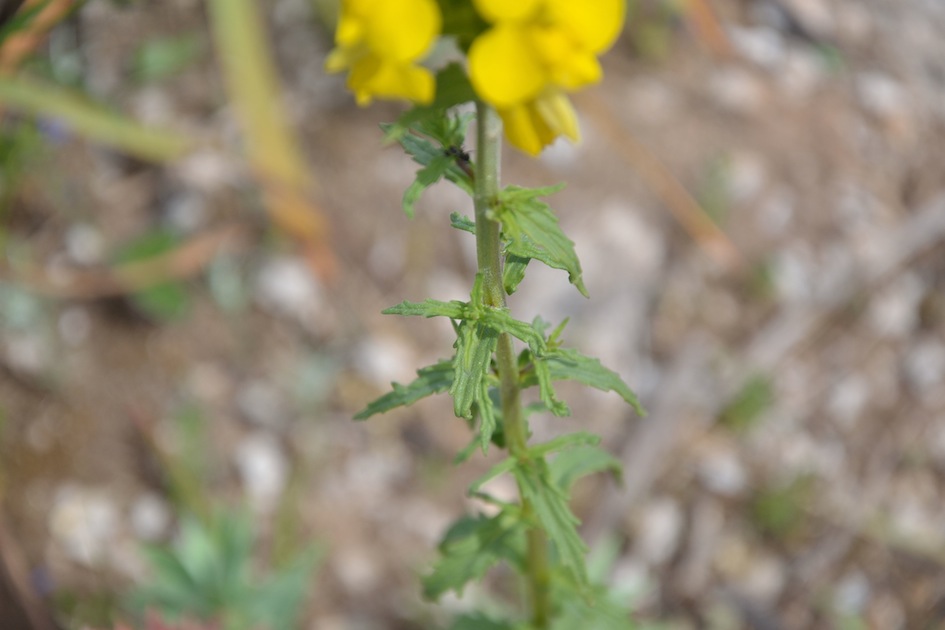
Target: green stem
pixel 488 256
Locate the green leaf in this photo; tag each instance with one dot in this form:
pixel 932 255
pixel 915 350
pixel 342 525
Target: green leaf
pixel 532 231
pixel 470 548
pixel 596 608
pixel 158 59
pixel 502 467
pixel 434 171
pixel 433 379
pixel 462 222
pixel 474 345
pixel 567 364
pixel 430 308
pixel 165 300
pixel 426 133
pixel 513 272
pixel 572 464
pixel 551 507
pixel 478 621
pixel 562 442
pixel 546 390
pixel 502 321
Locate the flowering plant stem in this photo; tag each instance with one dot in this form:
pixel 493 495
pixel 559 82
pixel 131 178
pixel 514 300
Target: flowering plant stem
pixel 488 248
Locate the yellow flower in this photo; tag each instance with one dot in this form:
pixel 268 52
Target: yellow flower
pixel 535 52
pixel 380 41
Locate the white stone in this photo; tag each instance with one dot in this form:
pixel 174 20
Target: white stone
pixel 737 90
pixel 286 286
pixel 74 325
pixel 852 594
pixel 262 404
pixel 894 310
pixel 763 46
pixel 659 530
pixel 186 211
pixel 83 523
pixel 85 244
pixel 357 568
pixel 801 74
pixel 848 399
pixel 27 352
pixel 776 212
pixel 881 95
pixel 747 176
pixel 150 517
pixel 384 359
pixel 763 579
pixel 264 470
pixel 722 472
pixel 925 365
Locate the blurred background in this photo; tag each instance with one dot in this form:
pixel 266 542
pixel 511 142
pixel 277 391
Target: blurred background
pixel 199 231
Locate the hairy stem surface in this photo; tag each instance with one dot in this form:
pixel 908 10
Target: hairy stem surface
pixel 488 255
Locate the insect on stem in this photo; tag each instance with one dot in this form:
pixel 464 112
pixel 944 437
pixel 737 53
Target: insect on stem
pixel 461 156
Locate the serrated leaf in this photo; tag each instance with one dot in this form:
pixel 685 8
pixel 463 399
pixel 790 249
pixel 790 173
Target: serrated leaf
pixel 596 608
pixel 487 416
pixel 433 379
pixel 572 464
pixel 474 345
pixel 546 390
pixel 562 442
pixel 470 548
pixel 567 364
pixel 430 174
pixel 551 508
pixel 430 308
pixel 502 321
pixel 425 133
pixel 532 231
pixel 462 222
pixel 502 467
pixel 513 272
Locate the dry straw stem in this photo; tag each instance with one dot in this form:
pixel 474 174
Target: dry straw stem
pixel 19 45
pixel 705 24
pixel 272 151
pixel 184 262
pixel 677 199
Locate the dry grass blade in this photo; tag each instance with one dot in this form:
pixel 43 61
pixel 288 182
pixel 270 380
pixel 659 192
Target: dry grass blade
pixel 275 156
pixel 43 100
pixel 22 43
pixel 705 24
pixel 183 262
pixel 685 209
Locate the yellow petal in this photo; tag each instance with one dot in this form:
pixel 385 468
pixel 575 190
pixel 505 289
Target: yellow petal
pixel 402 30
pixel 555 109
pixel 522 129
pixel 578 70
pixel 506 10
pixel 375 77
pixel 594 23
pixel 504 67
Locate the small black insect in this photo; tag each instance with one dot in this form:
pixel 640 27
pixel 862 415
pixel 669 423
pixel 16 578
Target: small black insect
pixel 461 156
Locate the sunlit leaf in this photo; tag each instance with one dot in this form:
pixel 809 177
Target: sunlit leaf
pixel 470 548
pixel 433 379
pixel 531 230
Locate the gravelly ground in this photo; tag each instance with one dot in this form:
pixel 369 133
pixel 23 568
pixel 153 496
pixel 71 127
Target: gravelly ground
pixel 817 147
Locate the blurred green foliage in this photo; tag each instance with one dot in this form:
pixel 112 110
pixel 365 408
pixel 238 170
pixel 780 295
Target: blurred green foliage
pixel 158 59
pixel 208 573
pixel 166 300
pixel 781 511
pixel 747 408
